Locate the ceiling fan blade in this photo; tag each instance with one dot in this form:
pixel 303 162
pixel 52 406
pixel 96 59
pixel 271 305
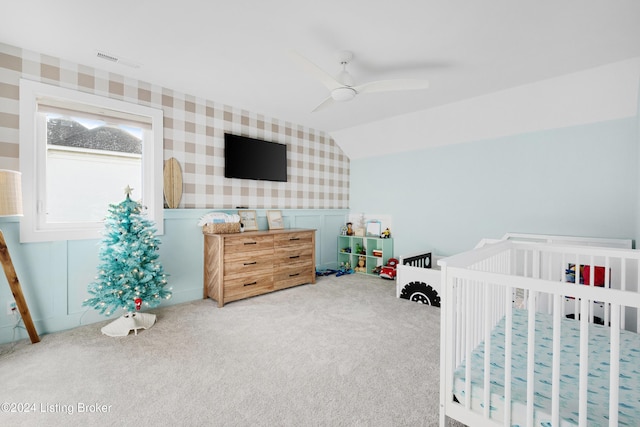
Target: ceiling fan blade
pixel 317 72
pixel 324 104
pixel 392 85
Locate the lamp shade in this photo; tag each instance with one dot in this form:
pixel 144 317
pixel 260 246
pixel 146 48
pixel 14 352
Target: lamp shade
pixel 10 193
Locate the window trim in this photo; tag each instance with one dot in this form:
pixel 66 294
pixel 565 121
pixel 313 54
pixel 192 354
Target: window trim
pixel 152 163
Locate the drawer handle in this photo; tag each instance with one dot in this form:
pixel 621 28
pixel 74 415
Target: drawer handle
pixel 250 263
pixel 294 238
pixel 294 275
pixel 250 243
pixel 294 256
pixel 249 284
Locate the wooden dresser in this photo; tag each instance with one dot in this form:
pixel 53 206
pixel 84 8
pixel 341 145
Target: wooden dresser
pixel 242 265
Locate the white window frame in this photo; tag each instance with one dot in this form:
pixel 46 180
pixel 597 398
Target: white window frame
pixel 33 169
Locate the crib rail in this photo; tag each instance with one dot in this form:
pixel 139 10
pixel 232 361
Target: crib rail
pixel 481 288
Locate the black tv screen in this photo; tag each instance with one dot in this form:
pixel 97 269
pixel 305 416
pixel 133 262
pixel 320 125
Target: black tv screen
pixel 251 158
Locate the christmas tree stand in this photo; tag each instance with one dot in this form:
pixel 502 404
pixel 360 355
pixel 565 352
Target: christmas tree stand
pixel 124 324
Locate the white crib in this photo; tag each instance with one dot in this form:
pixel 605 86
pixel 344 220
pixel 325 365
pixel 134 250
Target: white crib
pixel 418 275
pixel 509 354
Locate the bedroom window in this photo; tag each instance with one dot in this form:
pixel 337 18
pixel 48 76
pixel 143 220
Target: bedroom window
pixel 78 152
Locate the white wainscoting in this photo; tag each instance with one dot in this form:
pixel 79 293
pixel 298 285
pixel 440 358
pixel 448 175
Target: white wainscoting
pixel 54 275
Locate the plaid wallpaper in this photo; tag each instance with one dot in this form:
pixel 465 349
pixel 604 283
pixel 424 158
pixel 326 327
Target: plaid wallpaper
pixel 194 134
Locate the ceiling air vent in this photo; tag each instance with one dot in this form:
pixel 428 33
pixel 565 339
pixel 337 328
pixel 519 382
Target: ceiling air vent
pixel 106 56
pixel 117 60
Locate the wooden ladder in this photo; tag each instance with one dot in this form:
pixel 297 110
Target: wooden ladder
pixel 16 290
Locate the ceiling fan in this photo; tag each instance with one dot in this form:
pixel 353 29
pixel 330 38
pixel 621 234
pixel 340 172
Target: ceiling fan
pixel 343 87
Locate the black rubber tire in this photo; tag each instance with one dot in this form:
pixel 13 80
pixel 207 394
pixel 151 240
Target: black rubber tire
pixel 421 292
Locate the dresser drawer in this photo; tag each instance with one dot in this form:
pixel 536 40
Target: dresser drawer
pixel 294 238
pixel 242 245
pixel 293 275
pixel 293 255
pixel 253 263
pixel 247 286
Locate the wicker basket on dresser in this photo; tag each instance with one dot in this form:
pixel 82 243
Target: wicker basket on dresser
pixel 242 265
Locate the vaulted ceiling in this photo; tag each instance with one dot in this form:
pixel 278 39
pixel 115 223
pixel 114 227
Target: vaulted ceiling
pixel 236 52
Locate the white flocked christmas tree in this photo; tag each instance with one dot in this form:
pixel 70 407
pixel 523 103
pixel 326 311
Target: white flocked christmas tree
pixel 130 275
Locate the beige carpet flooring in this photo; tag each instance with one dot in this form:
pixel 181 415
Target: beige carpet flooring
pixel 343 352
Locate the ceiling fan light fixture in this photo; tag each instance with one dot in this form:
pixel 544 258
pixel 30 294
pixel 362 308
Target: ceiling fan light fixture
pixel 342 87
pixel 343 94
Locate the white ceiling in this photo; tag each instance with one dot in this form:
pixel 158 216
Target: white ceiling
pixel 235 52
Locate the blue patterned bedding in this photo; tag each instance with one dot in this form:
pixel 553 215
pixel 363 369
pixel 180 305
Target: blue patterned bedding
pixel 598 391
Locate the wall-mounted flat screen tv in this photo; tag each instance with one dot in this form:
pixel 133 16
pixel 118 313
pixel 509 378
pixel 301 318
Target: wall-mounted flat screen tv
pixel 251 158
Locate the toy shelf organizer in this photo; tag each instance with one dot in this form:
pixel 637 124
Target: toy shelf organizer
pixel 376 251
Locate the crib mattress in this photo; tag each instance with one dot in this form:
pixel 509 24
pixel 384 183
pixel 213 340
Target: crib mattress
pixel 598 389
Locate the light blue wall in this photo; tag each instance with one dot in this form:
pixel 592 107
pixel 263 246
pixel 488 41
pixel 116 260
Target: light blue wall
pixel 54 275
pixel 579 181
pixel 637 235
